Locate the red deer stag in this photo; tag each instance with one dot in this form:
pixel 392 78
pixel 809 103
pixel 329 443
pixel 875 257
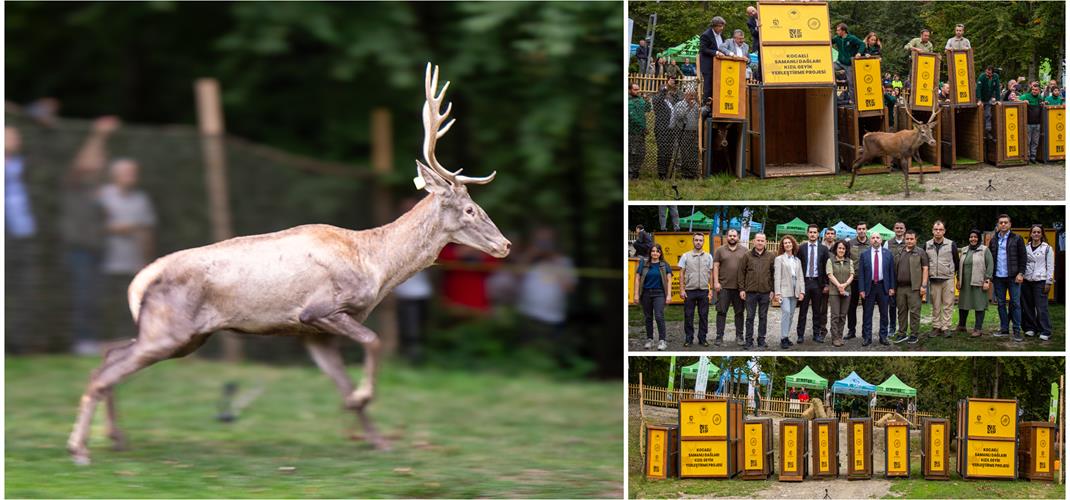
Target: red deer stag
pixel 901 146
pixel 317 282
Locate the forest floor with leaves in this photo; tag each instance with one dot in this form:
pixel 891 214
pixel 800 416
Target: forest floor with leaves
pixel 1029 182
pixel 674 323
pixel 453 433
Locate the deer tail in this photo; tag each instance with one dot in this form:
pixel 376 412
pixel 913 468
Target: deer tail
pixel 136 292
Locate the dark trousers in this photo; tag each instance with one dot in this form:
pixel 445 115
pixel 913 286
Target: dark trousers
pixel 1001 288
pixel 1035 308
pixel 84 268
pixel 812 299
pixel 893 311
pixel 636 152
pixel 664 139
pixel 852 309
pixel 22 285
pixel 707 86
pixel 729 297
pixel 759 301
pixel 875 294
pixel 653 303
pixel 701 299
pixel 978 318
pixel 412 322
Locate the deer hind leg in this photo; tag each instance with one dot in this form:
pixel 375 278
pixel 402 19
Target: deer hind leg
pixel 111 356
pixel 854 169
pixel 341 323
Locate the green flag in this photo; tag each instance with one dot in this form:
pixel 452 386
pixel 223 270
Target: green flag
pixel 672 371
pixel 1053 411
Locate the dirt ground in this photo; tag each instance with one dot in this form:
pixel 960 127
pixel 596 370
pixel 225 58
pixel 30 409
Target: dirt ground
pixel 1030 182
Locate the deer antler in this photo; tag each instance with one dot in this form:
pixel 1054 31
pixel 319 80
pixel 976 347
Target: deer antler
pixel 434 129
pixel 932 114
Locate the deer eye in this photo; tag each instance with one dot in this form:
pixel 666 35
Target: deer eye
pixel 470 211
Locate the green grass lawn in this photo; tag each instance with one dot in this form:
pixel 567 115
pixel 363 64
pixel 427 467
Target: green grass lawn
pixel 454 434
pixel 957 343
pixel 728 187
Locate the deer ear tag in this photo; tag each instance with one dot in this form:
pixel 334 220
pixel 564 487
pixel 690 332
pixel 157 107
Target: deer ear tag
pixel 419 182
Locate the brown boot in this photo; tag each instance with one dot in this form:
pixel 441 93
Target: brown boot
pixel 975 333
pixel 961 329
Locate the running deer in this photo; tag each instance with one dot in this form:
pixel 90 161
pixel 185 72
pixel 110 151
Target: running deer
pixel 901 146
pixel 317 282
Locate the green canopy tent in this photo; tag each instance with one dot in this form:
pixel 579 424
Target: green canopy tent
pixel 886 234
pixel 690 372
pixel 686 49
pixel 808 379
pixel 795 228
pixel 895 388
pixel 697 220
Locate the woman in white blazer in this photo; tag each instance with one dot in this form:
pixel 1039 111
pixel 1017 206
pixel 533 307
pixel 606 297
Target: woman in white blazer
pixel 1039 277
pixel 788 284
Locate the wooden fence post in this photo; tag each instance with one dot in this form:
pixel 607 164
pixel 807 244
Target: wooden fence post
pixel 210 121
pixel 383 163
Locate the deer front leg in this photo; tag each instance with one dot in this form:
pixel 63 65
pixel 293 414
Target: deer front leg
pixel 341 323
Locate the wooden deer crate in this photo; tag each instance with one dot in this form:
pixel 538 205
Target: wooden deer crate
pixel 825 447
pixel 987 438
pixel 725 147
pixel 860 448
pixel 852 125
pixel 896 449
pixel 1036 450
pixel 935 442
pixel 1009 146
pixel 1052 134
pixel 930 155
pixel 662 451
pixel 709 438
pixel 757 448
pixel 962 135
pixel 793 454
pixel 792 131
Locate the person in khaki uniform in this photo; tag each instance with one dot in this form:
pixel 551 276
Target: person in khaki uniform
pixel 726 261
pixel 841 274
pixel 974 280
pixel 756 287
pixel 911 276
pixel 895 245
pixel 943 261
pixel 696 273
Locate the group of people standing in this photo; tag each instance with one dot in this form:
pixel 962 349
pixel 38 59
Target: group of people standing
pixel 830 278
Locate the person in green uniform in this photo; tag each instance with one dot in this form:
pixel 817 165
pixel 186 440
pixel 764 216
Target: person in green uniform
pixel 975 278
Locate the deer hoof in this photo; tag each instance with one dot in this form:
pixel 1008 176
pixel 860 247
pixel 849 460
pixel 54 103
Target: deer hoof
pixel 80 458
pixel 118 442
pixel 381 444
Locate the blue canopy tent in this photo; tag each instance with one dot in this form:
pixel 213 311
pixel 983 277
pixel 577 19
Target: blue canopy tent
pixel 843 231
pixel 852 385
pixel 755 227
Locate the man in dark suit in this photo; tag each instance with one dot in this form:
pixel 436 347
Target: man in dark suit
pixel 877 274
pixel 710 41
pixel 813 256
pixel 1008 255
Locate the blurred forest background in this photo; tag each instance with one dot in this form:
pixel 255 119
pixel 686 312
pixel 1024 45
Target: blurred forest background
pixel 536 89
pixel 1015 36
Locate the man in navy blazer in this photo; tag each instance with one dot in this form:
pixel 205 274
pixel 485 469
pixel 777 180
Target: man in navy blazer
pixel 813 256
pixel 877 285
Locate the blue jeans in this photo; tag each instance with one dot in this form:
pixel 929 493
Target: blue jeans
pixel 1001 286
pixel 84 268
pixel 876 293
pixel 787 310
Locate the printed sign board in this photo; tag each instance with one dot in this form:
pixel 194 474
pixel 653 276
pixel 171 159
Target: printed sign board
pixel 730 74
pixel 791 447
pixel 926 74
pixel 1041 458
pixel 656 448
pixel 1010 122
pixel 959 71
pixel 792 23
pixel 898 442
pixel 1056 132
pixel 753 447
pixel 995 459
pixel 936 447
pixel 991 419
pixel 868 92
pixel 824 464
pixel 703 458
pixel 801 64
pixel 703 419
pixel 858 434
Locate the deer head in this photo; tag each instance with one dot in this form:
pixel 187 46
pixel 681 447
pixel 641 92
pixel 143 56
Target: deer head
pixel 926 129
pixel 461 218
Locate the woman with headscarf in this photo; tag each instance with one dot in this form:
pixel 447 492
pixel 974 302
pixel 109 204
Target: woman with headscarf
pixel 1039 276
pixel 974 280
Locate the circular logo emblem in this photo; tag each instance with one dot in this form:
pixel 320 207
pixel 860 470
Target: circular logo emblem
pixel 1059 126
pixel 754 441
pixel 925 75
pixel 657 446
pixel 690 419
pixel 1005 421
pixel 716 420
pixel 897 443
pixel 729 92
pixel 962 72
pixel 1043 442
pixel 730 81
pixel 978 418
pixel 813 23
pixel 868 79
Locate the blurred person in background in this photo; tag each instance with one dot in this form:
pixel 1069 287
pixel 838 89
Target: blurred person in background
pixel 81 228
pixel 544 289
pixel 20 227
pixel 464 280
pixel 129 221
pixel 413 299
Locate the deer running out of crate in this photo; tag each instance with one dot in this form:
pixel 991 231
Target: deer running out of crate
pixel 902 146
pixel 317 282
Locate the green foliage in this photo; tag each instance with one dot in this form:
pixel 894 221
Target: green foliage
pixel 455 434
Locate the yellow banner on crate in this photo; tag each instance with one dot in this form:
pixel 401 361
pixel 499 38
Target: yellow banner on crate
pixel 1010 118
pixel 703 458
pixel 868 92
pixel 990 458
pixel 703 419
pixel 823 462
pixel 729 90
pixel 754 451
pixel 936 448
pixel 859 432
pixel 796 64
pixel 898 459
pixel 925 80
pixel 793 23
pixel 962 78
pixel 991 419
pixel 1043 458
pixel 656 451
pixel 1056 132
pixel 791 448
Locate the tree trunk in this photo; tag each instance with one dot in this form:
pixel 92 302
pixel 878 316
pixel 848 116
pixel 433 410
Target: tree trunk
pixel 995 382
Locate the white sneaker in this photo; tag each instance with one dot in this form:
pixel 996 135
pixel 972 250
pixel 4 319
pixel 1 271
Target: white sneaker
pixel 1044 337
pixel 661 345
pixel 1029 333
pixel 647 344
